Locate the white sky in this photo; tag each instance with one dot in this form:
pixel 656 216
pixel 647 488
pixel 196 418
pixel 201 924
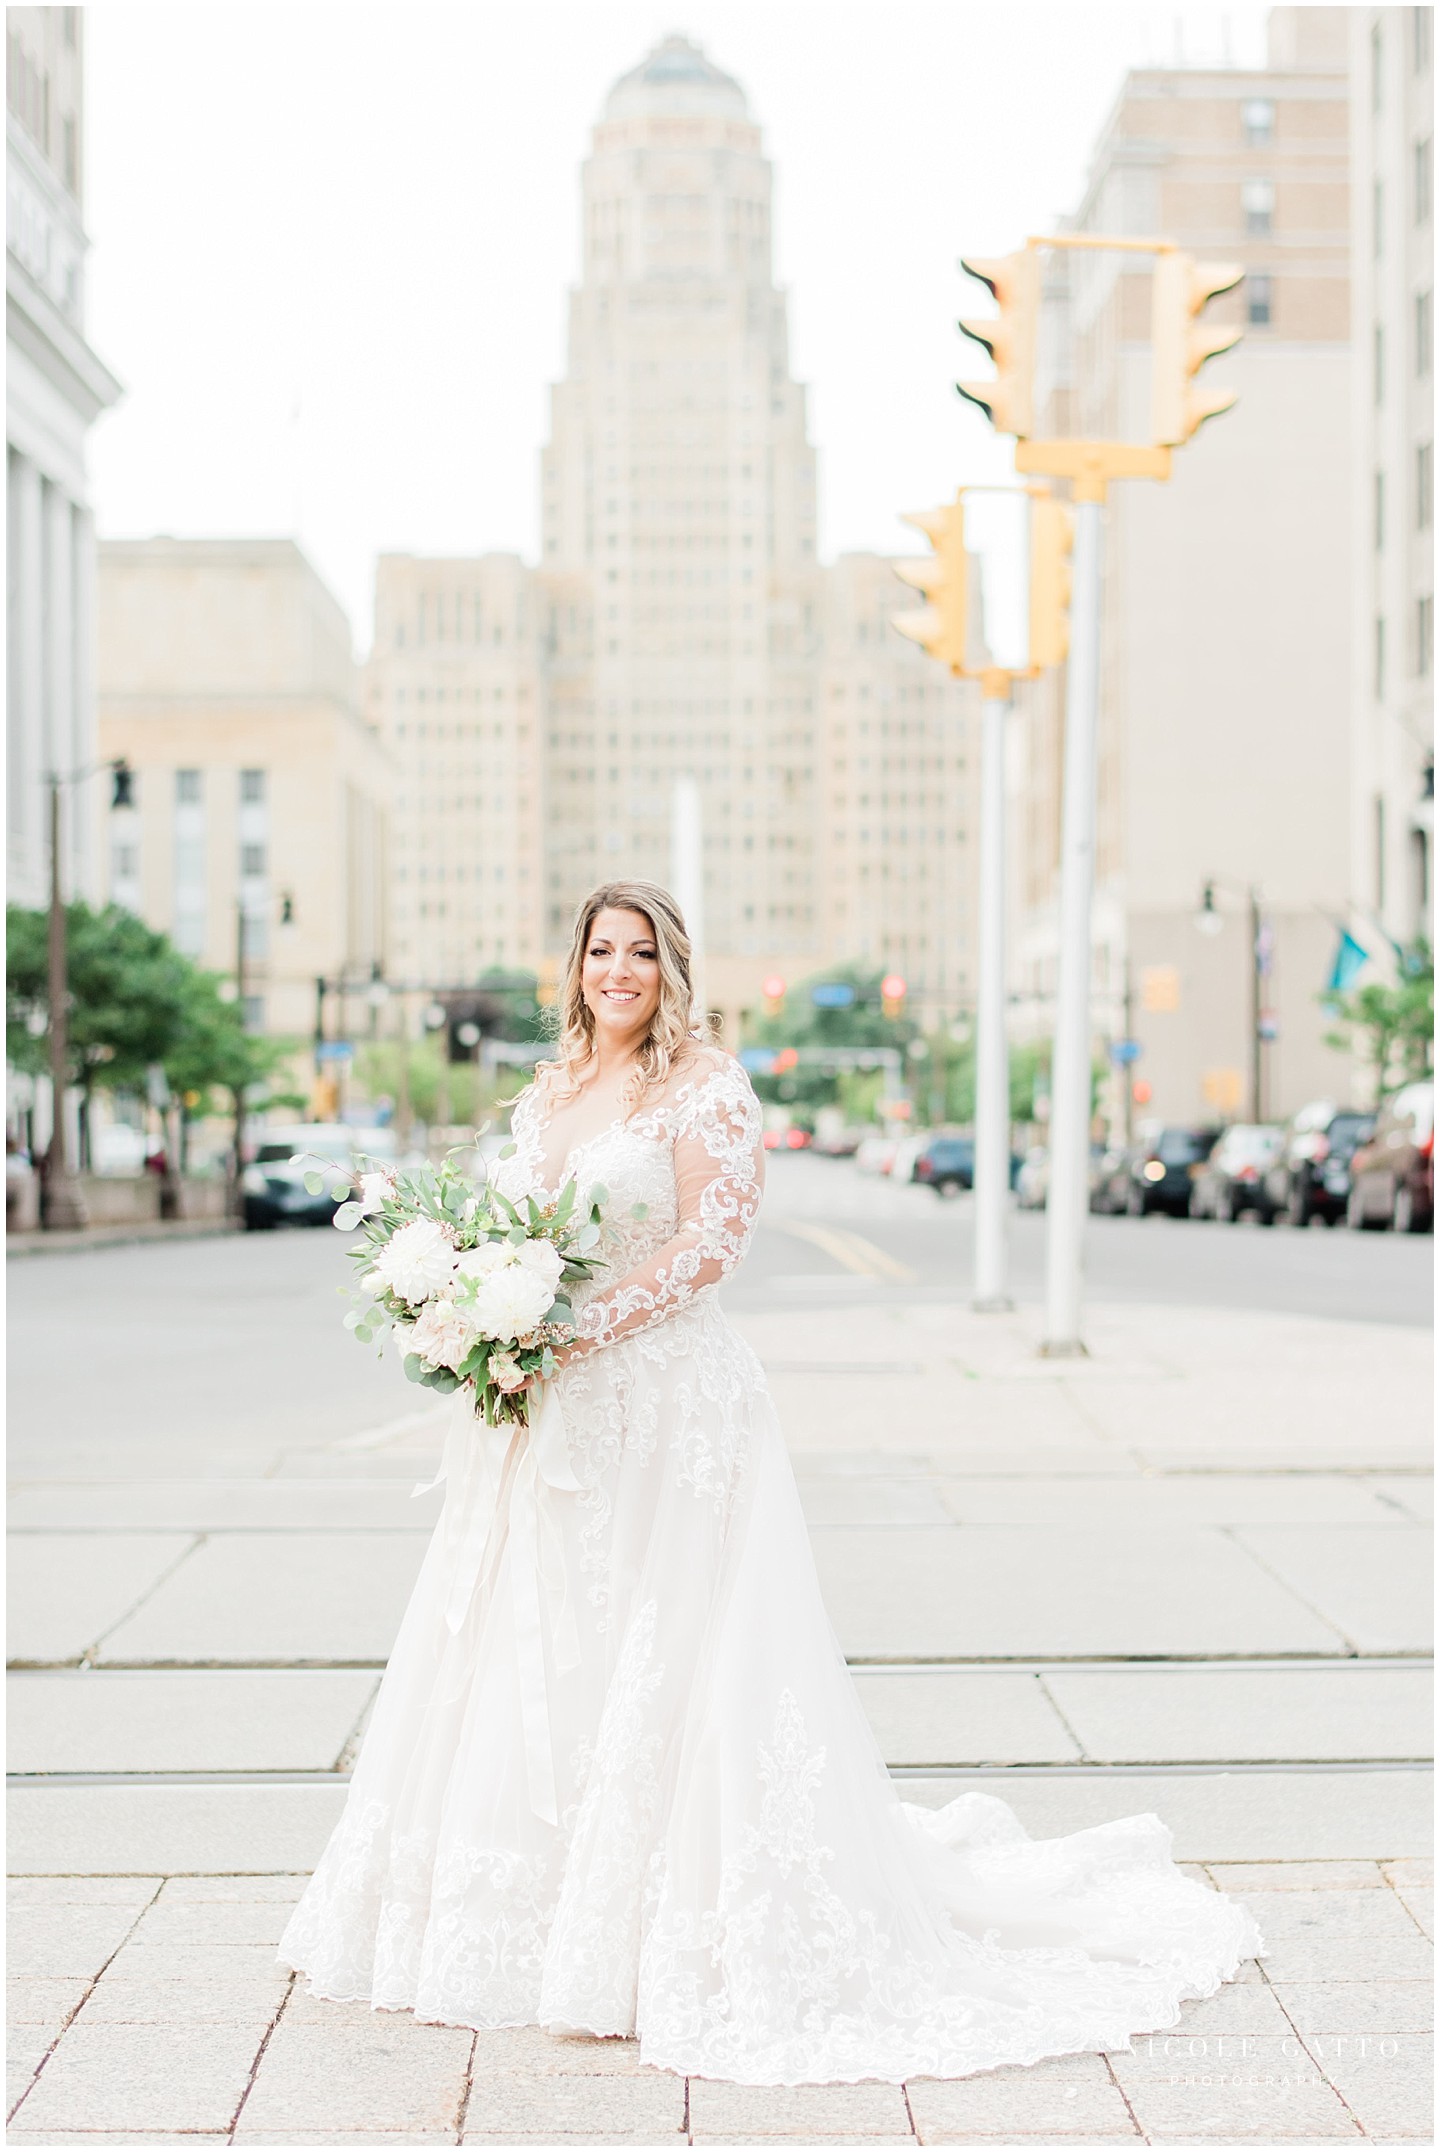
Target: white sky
pixel 332 243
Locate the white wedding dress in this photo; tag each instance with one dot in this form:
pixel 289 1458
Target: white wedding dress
pixel 618 1779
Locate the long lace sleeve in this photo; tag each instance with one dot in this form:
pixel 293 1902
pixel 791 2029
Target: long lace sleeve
pixel 719 1175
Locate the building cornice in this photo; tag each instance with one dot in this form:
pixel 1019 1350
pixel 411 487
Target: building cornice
pixel 35 325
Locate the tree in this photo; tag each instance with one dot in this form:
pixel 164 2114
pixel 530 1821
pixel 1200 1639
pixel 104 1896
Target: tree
pixel 1392 1028
pixel 214 1051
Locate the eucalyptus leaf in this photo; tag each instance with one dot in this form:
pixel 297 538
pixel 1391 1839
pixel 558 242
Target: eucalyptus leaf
pixel 414 1367
pixel 508 1151
pixel 639 1210
pixel 598 1195
pixel 314 1184
pixel 354 1320
pixel 348 1215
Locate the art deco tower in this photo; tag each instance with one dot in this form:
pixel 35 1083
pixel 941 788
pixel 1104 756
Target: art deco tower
pixel 679 523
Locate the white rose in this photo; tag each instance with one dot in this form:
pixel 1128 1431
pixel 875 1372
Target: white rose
pixel 506 1372
pixel 543 1261
pixel 375 1189
pixel 509 1303
pixel 442 1337
pixel 490 1255
pixel 417 1261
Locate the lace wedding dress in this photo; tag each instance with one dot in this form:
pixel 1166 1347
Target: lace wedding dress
pixel 618 1779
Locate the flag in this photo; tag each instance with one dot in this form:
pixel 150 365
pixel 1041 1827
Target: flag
pixel 1350 961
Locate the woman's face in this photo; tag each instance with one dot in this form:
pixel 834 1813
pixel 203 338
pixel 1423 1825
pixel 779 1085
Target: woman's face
pixel 620 977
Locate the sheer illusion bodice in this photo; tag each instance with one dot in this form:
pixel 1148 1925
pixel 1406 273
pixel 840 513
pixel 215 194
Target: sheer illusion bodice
pixel 618 1779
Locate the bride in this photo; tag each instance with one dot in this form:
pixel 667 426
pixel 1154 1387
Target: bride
pixel 618 1779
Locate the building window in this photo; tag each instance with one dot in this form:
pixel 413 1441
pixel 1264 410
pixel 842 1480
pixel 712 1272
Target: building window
pixel 1377 67
pixel 1424 333
pixel 188 791
pixel 1257 116
pixel 252 859
pixel 1424 636
pixel 1378 363
pixel 1420 877
pixel 1424 180
pixel 252 1012
pixel 1257 199
pixel 252 788
pixel 1379 498
pixel 1424 485
pixel 1259 298
pixel 189 864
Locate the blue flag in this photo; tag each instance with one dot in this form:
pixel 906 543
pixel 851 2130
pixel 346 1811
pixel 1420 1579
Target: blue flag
pixel 1350 961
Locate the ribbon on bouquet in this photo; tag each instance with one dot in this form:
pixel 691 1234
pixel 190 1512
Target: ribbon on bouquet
pixel 537 1461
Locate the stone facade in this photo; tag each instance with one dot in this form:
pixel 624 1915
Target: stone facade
pixel 228 682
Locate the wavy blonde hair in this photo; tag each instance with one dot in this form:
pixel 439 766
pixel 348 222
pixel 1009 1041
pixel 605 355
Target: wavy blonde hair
pixel 672 1027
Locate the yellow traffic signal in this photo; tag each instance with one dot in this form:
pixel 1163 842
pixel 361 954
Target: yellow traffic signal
pixel 1052 538
pixel 939 626
pixel 1182 289
pixel 1009 400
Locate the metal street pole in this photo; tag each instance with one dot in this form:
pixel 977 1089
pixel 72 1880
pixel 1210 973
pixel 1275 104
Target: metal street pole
pixel 1067 1201
pixel 62 1203
pixel 1257 991
pixel 992 1056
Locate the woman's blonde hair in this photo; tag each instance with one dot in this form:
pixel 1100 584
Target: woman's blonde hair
pixel 672 1025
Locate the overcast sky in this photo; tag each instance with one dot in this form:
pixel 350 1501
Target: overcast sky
pixel 332 243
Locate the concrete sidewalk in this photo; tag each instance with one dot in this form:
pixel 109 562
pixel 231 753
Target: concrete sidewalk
pixel 1188 1575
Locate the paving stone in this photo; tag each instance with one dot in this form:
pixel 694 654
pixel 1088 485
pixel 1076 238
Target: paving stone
pixel 138 2138
pixel 42 2000
pixel 201 1922
pixel 1412 1492
pixel 1189 1714
pixel 143 2077
pixel 1047 1591
pixel 218 1505
pixel 26 2047
pixel 955 2110
pixel 62 1940
pixel 227 1890
pixel 1297 1875
pixel 1371 1582
pixel 1337 1915
pixel 250 1963
pixel 1417 1872
pixel 1342 2007
pixel 651 2105
pixel 1420 1905
pixel 159 1830
pixel 136 1891
pixel 130 1998
pixel 1188 1498
pixel 345 2137
pixel 66 1589
pixel 1240 2006
pixel 387 2073
pixel 943 1717
pixel 173 1721
pixel 871 1500
pixel 1388 2082
pixel 807 2111
pixel 525 2050
pixel 280 1597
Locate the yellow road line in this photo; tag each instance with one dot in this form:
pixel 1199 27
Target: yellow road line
pixel 852 1251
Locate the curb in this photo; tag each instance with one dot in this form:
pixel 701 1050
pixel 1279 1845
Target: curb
pixel 19 1245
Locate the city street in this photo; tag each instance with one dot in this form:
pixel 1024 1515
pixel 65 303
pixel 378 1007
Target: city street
pixel 1187 1574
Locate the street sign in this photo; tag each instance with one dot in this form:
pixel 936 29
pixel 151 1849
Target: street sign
pixel 1124 1051
pixel 334 1050
pixel 833 994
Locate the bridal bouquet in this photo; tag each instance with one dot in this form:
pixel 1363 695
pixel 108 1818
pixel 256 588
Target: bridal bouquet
pixel 470 1287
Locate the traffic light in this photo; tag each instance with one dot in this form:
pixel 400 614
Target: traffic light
pixel 1052 536
pixel 892 994
pixel 773 990
pixel 1009 400
pixel 122 793
pixel 939 626
pixel 1182 289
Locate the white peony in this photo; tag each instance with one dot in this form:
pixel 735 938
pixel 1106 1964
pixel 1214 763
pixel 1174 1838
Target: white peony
pixel 443 1336
pixel 375 1189
pixel 490 1255
pixel 506 1373
pixel 542 1261
pixel 509 1303
pixel 417 1261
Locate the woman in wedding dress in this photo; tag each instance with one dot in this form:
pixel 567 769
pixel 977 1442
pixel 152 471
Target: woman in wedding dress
pixel 618 1780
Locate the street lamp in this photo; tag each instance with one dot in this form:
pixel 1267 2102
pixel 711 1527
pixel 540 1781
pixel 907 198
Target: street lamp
pixel 62 1201
pixel 1210 921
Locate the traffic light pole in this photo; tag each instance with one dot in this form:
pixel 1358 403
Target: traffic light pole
pixel 1069 1190
pixel 992 1056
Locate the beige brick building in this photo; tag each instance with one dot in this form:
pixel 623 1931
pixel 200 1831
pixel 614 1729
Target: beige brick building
pixel 678 626
pixel 227 681
pixel 1226 646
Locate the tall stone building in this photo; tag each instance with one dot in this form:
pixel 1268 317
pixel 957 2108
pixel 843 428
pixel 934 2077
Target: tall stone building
pixel 56 387
pixel 678 625
pixel 1392 121
pixel 1226 639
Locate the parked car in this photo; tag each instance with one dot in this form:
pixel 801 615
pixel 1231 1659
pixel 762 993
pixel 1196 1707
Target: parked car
pixel 1110 1177
pixel 1311 1177
pixel 1392 1176
pixel 1160 1177
pixel 947 1164
pixel 875 1154
pixel 1033 1179
pixel 906 1155
pixel 273 1184
pixel 1232 1179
